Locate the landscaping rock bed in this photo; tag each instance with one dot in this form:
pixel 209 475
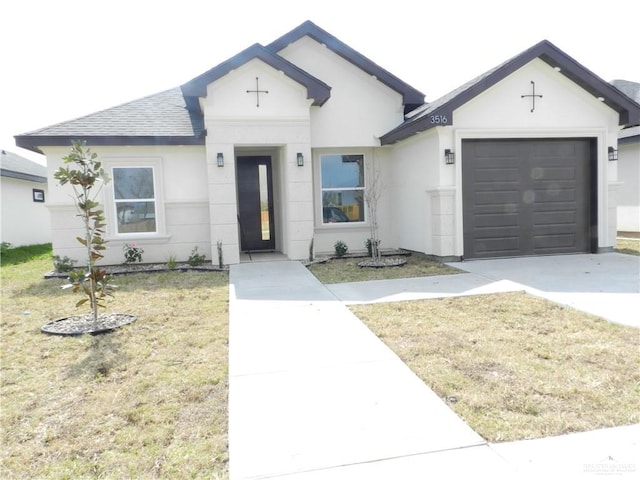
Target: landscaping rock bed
pixel 145 268
pixel 80 324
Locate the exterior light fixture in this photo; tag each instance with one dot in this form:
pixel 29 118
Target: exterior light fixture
pixel 449 156
pixel 613 154
pixel 220 159
pixel 300 159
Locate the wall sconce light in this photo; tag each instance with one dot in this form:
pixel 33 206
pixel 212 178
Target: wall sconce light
pixel 300 159
pixel 220 159
pixel 449 156
pixel 613 154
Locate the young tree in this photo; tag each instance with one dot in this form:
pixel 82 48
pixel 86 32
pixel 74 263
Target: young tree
pixel 372 195
pixel 87 177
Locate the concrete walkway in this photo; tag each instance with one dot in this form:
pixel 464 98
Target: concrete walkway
pixel 314 394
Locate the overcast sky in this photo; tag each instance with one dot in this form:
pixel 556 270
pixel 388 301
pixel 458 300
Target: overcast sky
pixel 62 59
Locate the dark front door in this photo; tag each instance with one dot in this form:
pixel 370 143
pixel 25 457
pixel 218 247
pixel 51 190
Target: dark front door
pixel 255 203
pixel 526 197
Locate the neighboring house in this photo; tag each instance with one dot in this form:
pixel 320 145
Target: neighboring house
pixel 629 166
pixel 268 149
pixel 25 218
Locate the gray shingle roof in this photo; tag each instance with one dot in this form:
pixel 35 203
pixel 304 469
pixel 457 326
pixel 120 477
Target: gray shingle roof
pixel 630 89
pixel 15 166
pixel 161 118
pixel 158 115
pixel 173 117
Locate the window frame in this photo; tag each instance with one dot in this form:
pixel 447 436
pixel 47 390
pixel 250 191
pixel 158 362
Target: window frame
pixel 322 190
pixel 155 200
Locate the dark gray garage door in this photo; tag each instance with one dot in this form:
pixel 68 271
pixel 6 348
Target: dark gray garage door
pixel 526 197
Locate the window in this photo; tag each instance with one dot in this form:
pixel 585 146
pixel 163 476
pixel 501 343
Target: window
pixel 342 178
pixel 134 195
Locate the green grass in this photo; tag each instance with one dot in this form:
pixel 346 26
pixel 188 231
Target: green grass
pixel 515 366
pixel 341 270
pixel 146 401
pixel 13 256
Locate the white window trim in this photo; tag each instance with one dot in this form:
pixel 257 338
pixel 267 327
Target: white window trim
pixel 110 200
pixel 321 190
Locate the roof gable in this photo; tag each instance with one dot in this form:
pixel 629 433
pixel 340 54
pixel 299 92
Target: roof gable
pixel 316 89
pixel 411 97
pixel 423 118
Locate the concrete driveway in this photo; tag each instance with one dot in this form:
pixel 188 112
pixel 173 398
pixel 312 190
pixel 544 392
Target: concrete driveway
pixel 606 284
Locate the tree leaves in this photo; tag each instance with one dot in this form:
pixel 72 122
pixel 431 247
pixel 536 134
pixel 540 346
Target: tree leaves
pixel 87 173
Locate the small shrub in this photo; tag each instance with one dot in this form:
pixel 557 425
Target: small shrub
pixel 220 257
pixel 63 264
pixel 369 244
pixel 341 248
pixel 172 263
pixel 4 247
pixel 132 253
pixel 196 259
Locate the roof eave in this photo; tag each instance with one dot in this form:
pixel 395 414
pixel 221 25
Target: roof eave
pixel 35 143
pixel 22 176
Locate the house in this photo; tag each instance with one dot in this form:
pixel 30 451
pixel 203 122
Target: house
pixel 277 148
pixel 25 218
pixel 629 166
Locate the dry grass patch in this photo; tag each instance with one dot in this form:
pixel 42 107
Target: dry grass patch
pixel 514 366
pixel 341 270
pixel 630 246
pixel 146 401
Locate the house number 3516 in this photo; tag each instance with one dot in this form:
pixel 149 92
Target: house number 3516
pixel 439 119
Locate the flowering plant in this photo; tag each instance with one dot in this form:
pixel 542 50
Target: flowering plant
pixel 132 253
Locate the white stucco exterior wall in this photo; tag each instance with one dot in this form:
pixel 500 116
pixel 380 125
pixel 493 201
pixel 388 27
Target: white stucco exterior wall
pixel 24 222
pixel 629 191
pixel 280 128
pixel 182 209
pixel 360 109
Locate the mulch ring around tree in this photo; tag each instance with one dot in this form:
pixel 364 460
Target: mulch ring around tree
pixel 80 324
pixel 382 262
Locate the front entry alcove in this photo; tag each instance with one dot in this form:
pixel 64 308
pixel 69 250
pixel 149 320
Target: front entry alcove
pixel 256 216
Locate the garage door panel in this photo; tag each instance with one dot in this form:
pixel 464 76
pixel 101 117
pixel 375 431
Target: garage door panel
pixel 497 198
pixel 562 217
pixel 525 197
pixel 491 247
pixel 547 173
pixel 557 243
pixel 556 195
pixel 497 220
pixel 493 174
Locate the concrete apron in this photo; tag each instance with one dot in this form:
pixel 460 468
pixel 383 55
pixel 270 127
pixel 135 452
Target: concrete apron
pixel 605 284
pixel 313 393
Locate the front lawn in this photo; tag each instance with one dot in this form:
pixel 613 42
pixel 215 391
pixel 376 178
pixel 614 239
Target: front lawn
pixel 515 366
pixel 146 401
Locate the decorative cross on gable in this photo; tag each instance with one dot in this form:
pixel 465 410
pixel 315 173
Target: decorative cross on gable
pixel 532 95
pixel 257 91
